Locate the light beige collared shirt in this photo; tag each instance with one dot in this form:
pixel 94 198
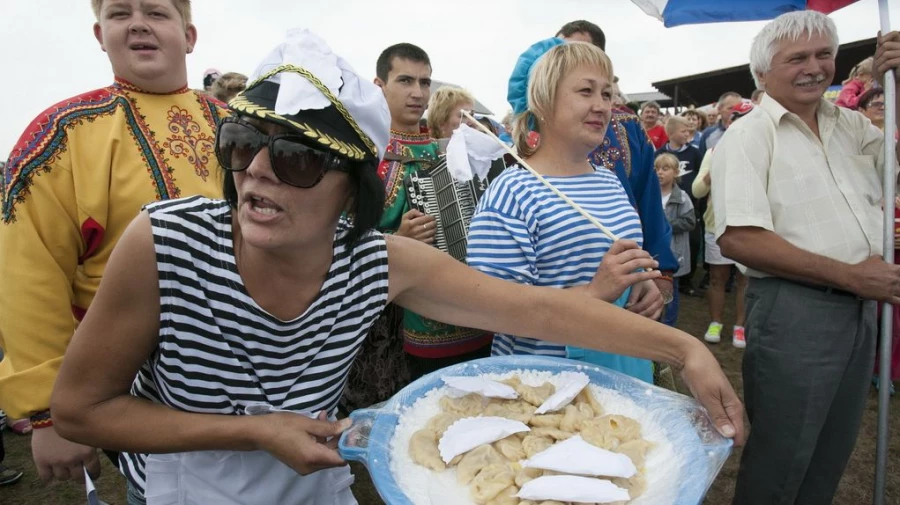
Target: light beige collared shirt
pixel 823 196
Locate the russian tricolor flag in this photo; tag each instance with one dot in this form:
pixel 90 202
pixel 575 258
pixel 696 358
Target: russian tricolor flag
pixel 687 12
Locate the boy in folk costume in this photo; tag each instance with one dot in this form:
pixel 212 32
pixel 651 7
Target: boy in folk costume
pixel 403 72
pixel 404 75
pixel 78 175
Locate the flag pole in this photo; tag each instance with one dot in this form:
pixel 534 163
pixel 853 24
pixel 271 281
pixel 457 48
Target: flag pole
pixel 887 310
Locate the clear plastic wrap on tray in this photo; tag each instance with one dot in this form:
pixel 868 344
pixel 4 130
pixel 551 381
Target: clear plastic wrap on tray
pixel 696 451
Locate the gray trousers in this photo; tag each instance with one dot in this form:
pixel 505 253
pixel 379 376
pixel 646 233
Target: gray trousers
pixel 806 374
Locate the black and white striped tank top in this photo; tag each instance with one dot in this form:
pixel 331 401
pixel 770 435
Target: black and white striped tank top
pixel 220 352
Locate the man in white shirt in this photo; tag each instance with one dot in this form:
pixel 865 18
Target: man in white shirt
pixel 797 199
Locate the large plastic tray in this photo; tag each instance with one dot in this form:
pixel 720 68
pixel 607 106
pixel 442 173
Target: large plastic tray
pixel 685 423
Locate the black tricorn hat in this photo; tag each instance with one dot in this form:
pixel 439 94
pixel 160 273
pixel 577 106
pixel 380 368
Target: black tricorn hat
pixel 332 127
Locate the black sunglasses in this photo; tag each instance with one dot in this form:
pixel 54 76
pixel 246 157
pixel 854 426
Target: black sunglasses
pixel 292 161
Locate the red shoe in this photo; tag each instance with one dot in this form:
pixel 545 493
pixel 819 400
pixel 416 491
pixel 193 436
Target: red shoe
pixel 738 339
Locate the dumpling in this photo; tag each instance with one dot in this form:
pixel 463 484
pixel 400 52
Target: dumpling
pixel 512 382
pixel 476 460
pixel 547 420
pixel 573 417
pixel 535 395
pixel 587 397
pixel 441 422
pixel 610 431
pixel 533 444
pixel 635 485
pixel 511 448
pixel 491 481
pixel 587 411
pixel 423 448
pixel 636 450
pixel 554 433
pixel 624 428
pixel 516 410
pixel 470 405
pixel 527 474
pixel 506 497
pixel 598 435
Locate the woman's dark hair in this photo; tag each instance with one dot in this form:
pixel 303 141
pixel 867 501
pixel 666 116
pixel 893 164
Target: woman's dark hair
pixel 368 198
pixel 866 98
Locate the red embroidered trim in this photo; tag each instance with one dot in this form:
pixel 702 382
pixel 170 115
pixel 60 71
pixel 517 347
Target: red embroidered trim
pixel 41 420
pixel 122 83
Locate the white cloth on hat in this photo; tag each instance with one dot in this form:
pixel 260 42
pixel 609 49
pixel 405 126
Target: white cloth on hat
pixel 366 103
pixel 363 100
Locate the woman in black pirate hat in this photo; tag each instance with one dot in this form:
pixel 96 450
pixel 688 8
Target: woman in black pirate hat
pixel 212 313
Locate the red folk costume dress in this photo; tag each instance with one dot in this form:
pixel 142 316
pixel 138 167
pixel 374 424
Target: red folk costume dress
pixel 78 175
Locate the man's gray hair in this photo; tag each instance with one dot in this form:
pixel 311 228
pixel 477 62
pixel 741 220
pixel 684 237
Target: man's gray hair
pixel 790 26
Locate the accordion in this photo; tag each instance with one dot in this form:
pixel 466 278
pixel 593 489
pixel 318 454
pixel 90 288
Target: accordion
pixel 433 191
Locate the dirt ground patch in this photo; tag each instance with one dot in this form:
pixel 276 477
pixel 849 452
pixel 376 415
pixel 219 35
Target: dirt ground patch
pixel 856 486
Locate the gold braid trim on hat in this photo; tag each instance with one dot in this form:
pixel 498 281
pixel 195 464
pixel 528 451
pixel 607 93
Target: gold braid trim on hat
pixel 242 104
pixel 328 94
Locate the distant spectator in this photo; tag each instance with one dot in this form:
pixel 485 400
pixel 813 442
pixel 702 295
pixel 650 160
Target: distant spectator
pixel 444 110
pixel 209 77
pixel 720 267
pixel 757 95
pixel 506 133
pixel 583 31
pixel 487 123
pixel 650 119
pixel 228 86
pixel 689 158
pixel 859 81
pixel 871 104
pixel 678 131
pixel 619 99
pixel 712 115
pixel 680 214
pixel 697 122
pixel 715 131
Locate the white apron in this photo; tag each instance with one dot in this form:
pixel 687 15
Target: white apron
pixel 240 478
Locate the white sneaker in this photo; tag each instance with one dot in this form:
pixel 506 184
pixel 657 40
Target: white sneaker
pixel 713 333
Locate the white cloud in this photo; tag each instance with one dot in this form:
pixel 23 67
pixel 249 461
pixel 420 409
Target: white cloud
pixel 49 52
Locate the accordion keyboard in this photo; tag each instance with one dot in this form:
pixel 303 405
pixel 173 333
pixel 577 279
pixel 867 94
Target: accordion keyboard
pixel 451 203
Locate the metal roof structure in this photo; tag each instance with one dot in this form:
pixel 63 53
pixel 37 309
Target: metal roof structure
pixel 655 96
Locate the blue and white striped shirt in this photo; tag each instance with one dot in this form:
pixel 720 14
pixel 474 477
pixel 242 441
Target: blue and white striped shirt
pixel 525 233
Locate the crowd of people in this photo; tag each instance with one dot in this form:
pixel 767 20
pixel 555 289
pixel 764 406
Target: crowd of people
pixel 177 261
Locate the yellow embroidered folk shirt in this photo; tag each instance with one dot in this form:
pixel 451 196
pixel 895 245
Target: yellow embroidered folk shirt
pixel 77 177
